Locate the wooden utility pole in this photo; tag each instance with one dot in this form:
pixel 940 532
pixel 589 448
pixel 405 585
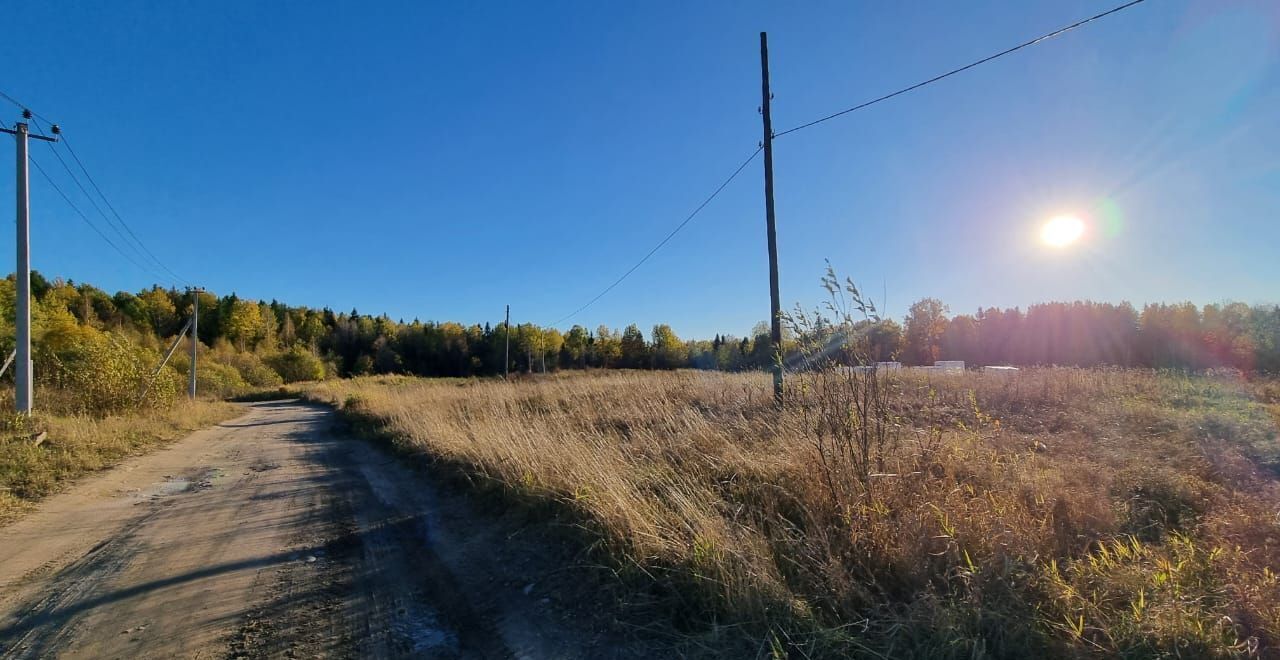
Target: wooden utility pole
pixel 775 307
pixel 506 354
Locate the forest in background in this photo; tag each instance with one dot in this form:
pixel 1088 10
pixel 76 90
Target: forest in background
pixel 256 343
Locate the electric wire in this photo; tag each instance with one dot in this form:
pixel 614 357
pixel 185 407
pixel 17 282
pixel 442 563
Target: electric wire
pixel 961 69
pixel 123 239
pixel 834 115
pixel 23 106
pixel 136 244
pixel 668 237
pixel 655 248
pixel 119 226
pixel 67 145
pixel 89 222
pixel 132 239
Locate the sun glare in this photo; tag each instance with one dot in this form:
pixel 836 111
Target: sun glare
pixel 1062 231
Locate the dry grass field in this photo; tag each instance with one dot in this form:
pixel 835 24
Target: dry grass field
pixel 1053 512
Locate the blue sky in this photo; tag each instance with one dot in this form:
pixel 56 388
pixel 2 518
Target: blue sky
pixel 439 160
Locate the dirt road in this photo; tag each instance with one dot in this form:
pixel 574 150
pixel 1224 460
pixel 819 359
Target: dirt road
pixel 273 535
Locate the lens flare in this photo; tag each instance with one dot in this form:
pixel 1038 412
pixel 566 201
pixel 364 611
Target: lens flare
pixel 1109 218
pixel 1062 231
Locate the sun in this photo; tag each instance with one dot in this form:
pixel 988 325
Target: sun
pixel 1062 231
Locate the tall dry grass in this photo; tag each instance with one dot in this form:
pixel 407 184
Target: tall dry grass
pixel 1059 512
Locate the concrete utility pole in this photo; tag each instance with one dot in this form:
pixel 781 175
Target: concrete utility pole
pixel 775 307
pixel 506 336
pixel 22 369
pixel 195 340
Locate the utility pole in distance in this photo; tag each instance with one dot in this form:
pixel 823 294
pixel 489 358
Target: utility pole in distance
pixel 22 370
pixel 506 354
pixel 195 340
pixel 775 307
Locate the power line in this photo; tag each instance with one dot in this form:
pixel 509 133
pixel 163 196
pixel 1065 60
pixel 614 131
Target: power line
pixel 963 68
pixel 860 106
pixel 664 241
pixel 137 245
pixel 643 259
pixel 116 213
pixel 93 203
pixel 89 222
pixel 23 106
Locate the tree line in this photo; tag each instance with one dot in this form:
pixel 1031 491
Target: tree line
pixel 259 342
pixel 1167 336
